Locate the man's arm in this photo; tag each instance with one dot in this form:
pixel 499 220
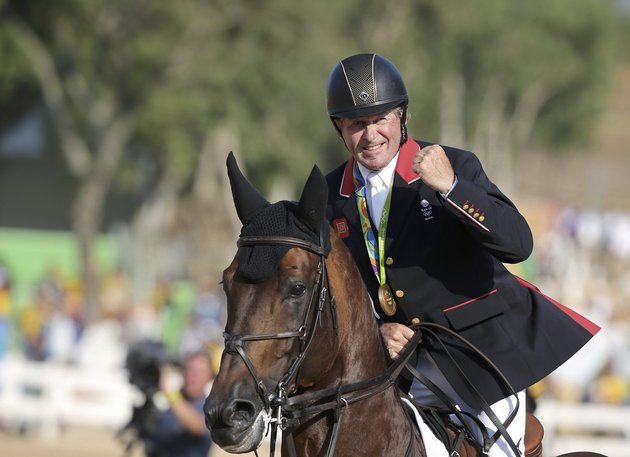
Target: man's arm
pixel 488 215
pixel 188 415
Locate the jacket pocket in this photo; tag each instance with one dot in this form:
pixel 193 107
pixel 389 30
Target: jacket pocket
pixel 475 310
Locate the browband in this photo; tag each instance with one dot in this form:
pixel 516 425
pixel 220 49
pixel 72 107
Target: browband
pixel 293 242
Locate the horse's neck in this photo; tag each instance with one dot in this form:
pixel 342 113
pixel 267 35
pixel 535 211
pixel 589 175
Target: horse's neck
pixel 360 345
pixel 363 348
pixel 377 424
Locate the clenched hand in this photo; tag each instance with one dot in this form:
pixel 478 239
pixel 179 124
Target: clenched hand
pixel 434 168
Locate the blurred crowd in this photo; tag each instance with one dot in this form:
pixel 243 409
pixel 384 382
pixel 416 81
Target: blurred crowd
pixel 581 259
pixel 51 326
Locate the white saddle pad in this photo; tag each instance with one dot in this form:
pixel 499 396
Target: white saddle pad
pixel 433 446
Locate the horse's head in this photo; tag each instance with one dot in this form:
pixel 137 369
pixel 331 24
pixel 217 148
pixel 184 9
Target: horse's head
pixel 278 311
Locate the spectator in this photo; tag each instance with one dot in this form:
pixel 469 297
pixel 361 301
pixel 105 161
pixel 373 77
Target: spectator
pixel 181 430
pixel 5 308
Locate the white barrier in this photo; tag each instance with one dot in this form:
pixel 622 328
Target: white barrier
pixel 49 396
pixel 571 427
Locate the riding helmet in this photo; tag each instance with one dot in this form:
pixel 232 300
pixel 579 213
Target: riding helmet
pixel 364 84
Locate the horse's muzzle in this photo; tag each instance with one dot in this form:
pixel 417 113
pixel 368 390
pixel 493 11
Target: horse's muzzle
pixel 237 424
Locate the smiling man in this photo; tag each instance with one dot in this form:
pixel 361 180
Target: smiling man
pixel 430 234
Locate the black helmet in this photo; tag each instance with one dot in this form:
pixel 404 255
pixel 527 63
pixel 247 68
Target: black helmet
pixel 364 84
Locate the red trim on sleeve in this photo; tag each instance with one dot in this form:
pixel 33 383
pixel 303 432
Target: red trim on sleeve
pixel 465 213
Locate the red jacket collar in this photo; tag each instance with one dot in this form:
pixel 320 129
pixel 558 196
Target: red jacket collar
pixel 403 168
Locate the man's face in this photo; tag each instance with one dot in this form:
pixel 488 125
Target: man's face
pixel 372 140
pixel 197 374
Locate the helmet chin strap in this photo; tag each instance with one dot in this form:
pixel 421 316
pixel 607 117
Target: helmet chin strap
pixel 403 125
pixel 332 119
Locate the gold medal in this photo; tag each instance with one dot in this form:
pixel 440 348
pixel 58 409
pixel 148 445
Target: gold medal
pixel 386 299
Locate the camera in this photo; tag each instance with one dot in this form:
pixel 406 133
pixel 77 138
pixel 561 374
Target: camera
pixel 143 363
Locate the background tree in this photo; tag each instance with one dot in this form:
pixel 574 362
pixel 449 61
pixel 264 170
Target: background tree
pixel 96 86
pixel 148 97
pixel 522 75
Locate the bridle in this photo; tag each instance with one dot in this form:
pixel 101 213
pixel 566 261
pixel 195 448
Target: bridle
pixel 305 333
pixel 287 411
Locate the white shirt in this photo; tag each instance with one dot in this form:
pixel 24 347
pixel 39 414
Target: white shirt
pixel 378 183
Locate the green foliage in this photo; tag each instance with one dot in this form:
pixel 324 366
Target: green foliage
pixel 186 67
pixel 577 61
pixel 565 47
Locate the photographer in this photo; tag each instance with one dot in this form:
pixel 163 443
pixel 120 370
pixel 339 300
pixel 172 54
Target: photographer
pixel 180 429
pixel 170 422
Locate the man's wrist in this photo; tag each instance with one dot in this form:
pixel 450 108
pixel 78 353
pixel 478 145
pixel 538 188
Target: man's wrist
pixel 173 396
pixel 445 194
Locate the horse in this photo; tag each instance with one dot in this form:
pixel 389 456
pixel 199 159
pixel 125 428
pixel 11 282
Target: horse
pixel 303 352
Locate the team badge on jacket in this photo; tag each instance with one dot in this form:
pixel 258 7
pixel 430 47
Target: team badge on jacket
pixel 426 209
pixel 340 226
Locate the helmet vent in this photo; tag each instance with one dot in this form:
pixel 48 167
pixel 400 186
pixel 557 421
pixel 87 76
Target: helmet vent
pixel 360 74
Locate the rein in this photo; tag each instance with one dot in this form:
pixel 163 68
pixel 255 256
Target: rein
pixel 431 330
pixel 305 404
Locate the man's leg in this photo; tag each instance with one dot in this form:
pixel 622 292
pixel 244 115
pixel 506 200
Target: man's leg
pixel 516 429
pixel 501 409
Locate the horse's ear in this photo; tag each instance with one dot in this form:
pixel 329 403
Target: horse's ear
pixel 247 199
pixel 312 206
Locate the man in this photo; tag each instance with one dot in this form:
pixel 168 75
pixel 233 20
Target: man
pixel 430 233
pixel 181 429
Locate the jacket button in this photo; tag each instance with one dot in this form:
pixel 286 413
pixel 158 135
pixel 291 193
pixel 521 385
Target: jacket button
pixel 471 210
pixel 476 215
pixel 389 261
pixel 415 321
pixel 400 293
pixel 466 206
pixel 482 218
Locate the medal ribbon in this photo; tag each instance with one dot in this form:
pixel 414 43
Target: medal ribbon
pixel 375 247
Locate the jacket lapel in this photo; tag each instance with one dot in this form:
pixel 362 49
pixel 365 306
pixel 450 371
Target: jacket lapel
pixel 406 186
pixel 405 189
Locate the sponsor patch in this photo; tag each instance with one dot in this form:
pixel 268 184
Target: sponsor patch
pixel 341 227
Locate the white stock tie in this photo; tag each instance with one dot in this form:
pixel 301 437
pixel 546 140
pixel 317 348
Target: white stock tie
pixel 378 194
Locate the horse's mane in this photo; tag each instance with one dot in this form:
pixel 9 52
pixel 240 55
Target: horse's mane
pixel 354 300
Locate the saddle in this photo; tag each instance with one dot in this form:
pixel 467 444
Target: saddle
pixel 534 433
pixel 456 439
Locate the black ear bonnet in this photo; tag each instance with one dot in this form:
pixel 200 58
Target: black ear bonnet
pixel 303 220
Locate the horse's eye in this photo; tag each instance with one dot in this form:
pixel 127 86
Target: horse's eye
pixel 296 290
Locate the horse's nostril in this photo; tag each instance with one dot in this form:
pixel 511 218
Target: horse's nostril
pixel 239 413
